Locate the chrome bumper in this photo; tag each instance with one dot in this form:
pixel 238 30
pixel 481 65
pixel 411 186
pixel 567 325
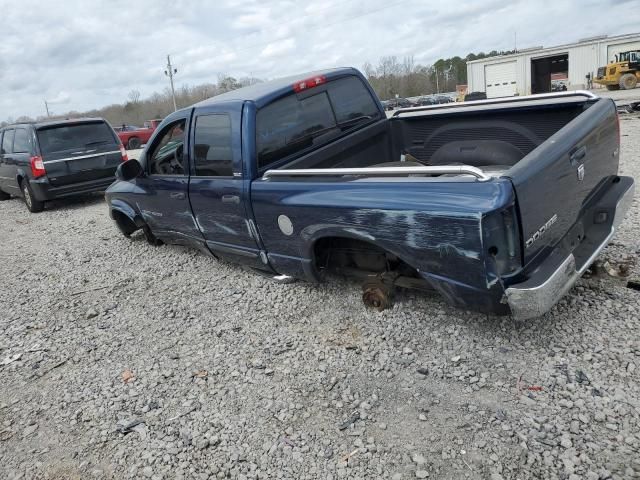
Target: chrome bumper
pixel 531 302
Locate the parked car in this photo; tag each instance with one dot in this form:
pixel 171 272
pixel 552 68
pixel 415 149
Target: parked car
pixel 47 160
pixel 403 103
pixel 126 128
pixel 425 101
pixel 439 99
pixel 305 175
pixel 135 138
pixel 475 96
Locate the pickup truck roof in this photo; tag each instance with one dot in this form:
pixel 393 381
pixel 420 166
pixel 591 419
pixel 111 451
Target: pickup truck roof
pixel 265 92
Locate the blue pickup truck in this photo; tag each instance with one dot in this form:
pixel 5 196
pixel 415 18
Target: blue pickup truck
pixel 498 205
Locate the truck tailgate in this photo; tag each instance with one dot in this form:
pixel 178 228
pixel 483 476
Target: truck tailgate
pixel 554 182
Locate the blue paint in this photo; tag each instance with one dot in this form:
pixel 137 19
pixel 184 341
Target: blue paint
pixel 444 227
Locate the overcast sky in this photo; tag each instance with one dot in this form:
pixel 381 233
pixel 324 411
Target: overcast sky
pixel 84 54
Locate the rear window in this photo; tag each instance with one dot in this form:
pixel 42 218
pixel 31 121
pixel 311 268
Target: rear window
pixel 80 136
pixel 292 124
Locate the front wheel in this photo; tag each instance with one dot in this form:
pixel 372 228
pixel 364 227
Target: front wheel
pixel 613 87
pixel 628 81
pixel 30 201
pixel 133 143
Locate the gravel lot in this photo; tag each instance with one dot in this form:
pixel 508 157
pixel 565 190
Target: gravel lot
pixel 122 360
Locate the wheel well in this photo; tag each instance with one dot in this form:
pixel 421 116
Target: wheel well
pixel 124 223
pixel 332 253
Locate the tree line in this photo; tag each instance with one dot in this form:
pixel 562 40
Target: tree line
pixel 389 77
pixel 406 78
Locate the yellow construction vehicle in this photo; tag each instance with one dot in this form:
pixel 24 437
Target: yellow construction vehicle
pixel 623 74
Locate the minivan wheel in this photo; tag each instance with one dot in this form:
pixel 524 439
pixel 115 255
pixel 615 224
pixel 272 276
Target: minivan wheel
pixel 4 196
pixel 133 143
pixel 30 201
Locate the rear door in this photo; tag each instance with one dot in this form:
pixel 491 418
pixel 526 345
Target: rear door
pixel 216 185
pixel 20 156
pixel 79 152
pixel 554 181
pixel 6 143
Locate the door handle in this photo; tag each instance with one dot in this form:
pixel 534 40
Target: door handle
pixel 578 155
pixel 177 195
pixel 230 199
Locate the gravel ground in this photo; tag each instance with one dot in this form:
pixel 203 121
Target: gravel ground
pixel 122 360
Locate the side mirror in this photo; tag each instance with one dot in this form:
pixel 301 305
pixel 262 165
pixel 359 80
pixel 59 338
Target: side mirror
pixel 129 170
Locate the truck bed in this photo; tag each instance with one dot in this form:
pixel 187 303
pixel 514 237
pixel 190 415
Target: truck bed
pixel 488 134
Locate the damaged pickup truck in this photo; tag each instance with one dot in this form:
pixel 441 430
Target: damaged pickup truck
pixel 499 205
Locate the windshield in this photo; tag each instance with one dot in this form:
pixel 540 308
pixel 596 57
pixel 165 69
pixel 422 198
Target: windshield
pixel 77 136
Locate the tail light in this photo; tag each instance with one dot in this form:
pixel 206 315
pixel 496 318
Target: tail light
pixel 308 83
pixel 37 166
pixel 501 236
pixel 123 152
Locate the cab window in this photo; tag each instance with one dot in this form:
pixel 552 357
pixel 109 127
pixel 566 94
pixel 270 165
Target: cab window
pixel 295 124
pixel 166 156
pixel 213 153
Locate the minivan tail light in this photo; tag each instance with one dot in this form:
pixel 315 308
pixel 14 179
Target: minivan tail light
pixel 308 83
pixel 37 166
pixel 123 152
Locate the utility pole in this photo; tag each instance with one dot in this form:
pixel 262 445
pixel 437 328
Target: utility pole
pixel 46 106
pixel 515 41
pixel 437 82
pixel 170 72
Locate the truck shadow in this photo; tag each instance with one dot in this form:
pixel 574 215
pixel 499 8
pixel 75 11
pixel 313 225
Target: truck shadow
pixel 75 202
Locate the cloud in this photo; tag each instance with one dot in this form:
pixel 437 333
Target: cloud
pixel 60 98
pixel 278 48
pixel 91 54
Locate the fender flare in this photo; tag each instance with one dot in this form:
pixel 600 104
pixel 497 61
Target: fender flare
pixel 126 209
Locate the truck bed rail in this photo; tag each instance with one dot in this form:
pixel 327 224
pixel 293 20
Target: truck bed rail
pixel 379 172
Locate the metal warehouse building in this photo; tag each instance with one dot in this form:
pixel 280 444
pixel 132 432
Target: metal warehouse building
pixel 541 70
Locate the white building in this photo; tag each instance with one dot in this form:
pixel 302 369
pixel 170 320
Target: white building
pixel 540 70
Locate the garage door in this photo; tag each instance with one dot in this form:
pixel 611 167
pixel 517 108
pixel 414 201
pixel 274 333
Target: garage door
pixel 500 79
pixel 612 50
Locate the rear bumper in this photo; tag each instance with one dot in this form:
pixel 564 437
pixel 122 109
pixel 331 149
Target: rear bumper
pixel 559 272
pixel 44 191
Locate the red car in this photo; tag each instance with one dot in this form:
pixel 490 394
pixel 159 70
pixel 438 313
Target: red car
pixel 133 138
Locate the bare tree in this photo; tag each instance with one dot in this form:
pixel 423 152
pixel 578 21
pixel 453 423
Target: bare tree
pixel 134 96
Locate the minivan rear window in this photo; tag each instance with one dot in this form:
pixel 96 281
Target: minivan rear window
pixel 293 124
pixel 77 136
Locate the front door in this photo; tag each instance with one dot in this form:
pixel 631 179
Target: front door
pixel 164 200
pixel 216 186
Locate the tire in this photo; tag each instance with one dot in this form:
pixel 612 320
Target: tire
pixel 4 196
pixel 628 81
pixel 30 201
pixel 151 238
pixel 133 143
pixel 613 87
